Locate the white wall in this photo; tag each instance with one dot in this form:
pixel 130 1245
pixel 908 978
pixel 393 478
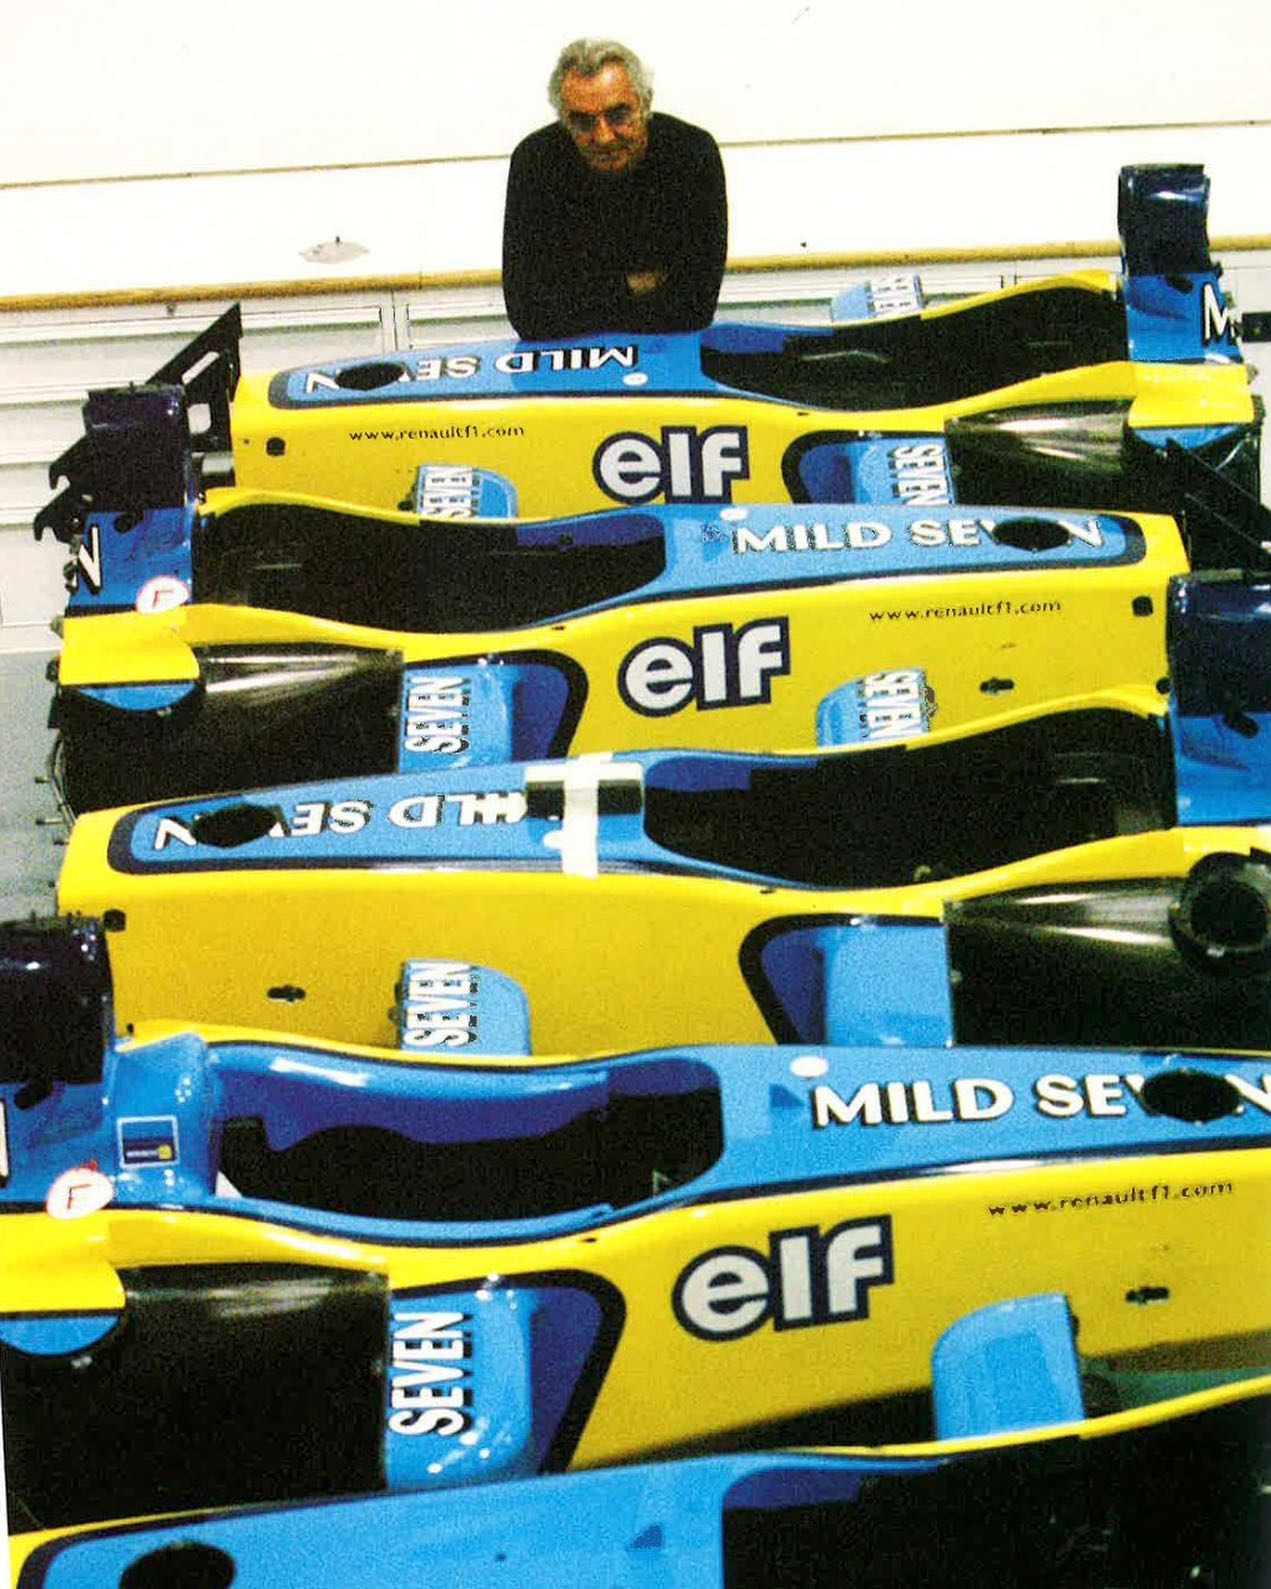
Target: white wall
pixel 249 131
pixel 165 155
pixel 141 87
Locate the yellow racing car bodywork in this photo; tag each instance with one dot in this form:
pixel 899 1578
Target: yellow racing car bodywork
pixel 956 629
pixel 1154 1254
pixel 642 953
pixel 557 448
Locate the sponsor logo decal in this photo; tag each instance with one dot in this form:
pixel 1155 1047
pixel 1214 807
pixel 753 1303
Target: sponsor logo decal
pixel 440 1004
pixel 866 535
pixel 1217 321
pixel 162 594
pixel 429 1383
pixel 1099 1095
pixel 437 716
pixel 894 704
pixel 724 666
pixel 79 1192
pixel 464 366
pixel 146 1141
pixel 686 465
pixel 805 1278
pixel 920 473
pixel 309 818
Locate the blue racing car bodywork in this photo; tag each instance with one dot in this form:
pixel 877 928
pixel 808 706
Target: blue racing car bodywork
pixel 455 1271
pixel 1173 1497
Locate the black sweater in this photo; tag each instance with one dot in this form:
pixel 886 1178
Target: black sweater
pixel 570 236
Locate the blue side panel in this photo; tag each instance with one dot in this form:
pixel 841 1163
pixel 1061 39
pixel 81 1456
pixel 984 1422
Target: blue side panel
pixel 478 1381
pixel 1191 437
pixel 472 714
pixel 1010 1366
pixel 455 491
pixel 1180 320
pixel 447 1004
pixel 141 697
pixel 879 707
pixel 608 363
pixel 454 717
pixel 1222 765
pixel 811 542
pixel 134 560
pixel 862 983
pixel 887 983
pixel 1219 637
pixel 57 1337
pixel 460 1398
pixel 164 1108
pixel 878 298
pixel 646 1526
pixel 911 469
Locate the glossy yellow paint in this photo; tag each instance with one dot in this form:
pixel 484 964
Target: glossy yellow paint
pixel 370 452
pixel 630 959
pixel 665 1387
pixel 993 645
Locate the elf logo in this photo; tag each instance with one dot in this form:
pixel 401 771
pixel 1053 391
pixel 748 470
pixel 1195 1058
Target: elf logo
pixel 723 667
pixel 687 465
pixel 805 1278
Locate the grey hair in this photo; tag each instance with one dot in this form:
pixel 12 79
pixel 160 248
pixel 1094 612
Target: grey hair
pixel 588 56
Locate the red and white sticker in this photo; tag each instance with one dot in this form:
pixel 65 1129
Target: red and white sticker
pixel 162 594
pixel 79 1192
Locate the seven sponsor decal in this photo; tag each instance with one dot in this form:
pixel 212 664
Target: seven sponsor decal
pixel 894 295
pixel 685 465
pixel 309 818
pixel 894 704
pixel 464 366
pixel 864 535
pixel 1097 1095
pixel 440 1004
pixel 724 666
pixel 430 1383
pixel 437 720
pixel 807 1277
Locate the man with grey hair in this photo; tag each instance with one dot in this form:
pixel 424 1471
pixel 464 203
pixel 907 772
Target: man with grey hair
pixel 616 218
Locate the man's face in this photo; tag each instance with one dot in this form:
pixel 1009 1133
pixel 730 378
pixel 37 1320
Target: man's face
pixel 602 115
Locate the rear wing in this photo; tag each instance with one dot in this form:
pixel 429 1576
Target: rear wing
pixel 1175 308
pixel 139 449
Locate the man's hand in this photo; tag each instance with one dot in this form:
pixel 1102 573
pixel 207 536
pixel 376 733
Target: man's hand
pixel 645 281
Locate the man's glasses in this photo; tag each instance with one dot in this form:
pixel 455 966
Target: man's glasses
pixel 615 116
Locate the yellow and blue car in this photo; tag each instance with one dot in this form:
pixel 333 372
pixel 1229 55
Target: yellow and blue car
pixel 1055 392
pixel 1075 876
pixel 298 626
pixel 382 645
pixel 1069 1503
pixel 289 1269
